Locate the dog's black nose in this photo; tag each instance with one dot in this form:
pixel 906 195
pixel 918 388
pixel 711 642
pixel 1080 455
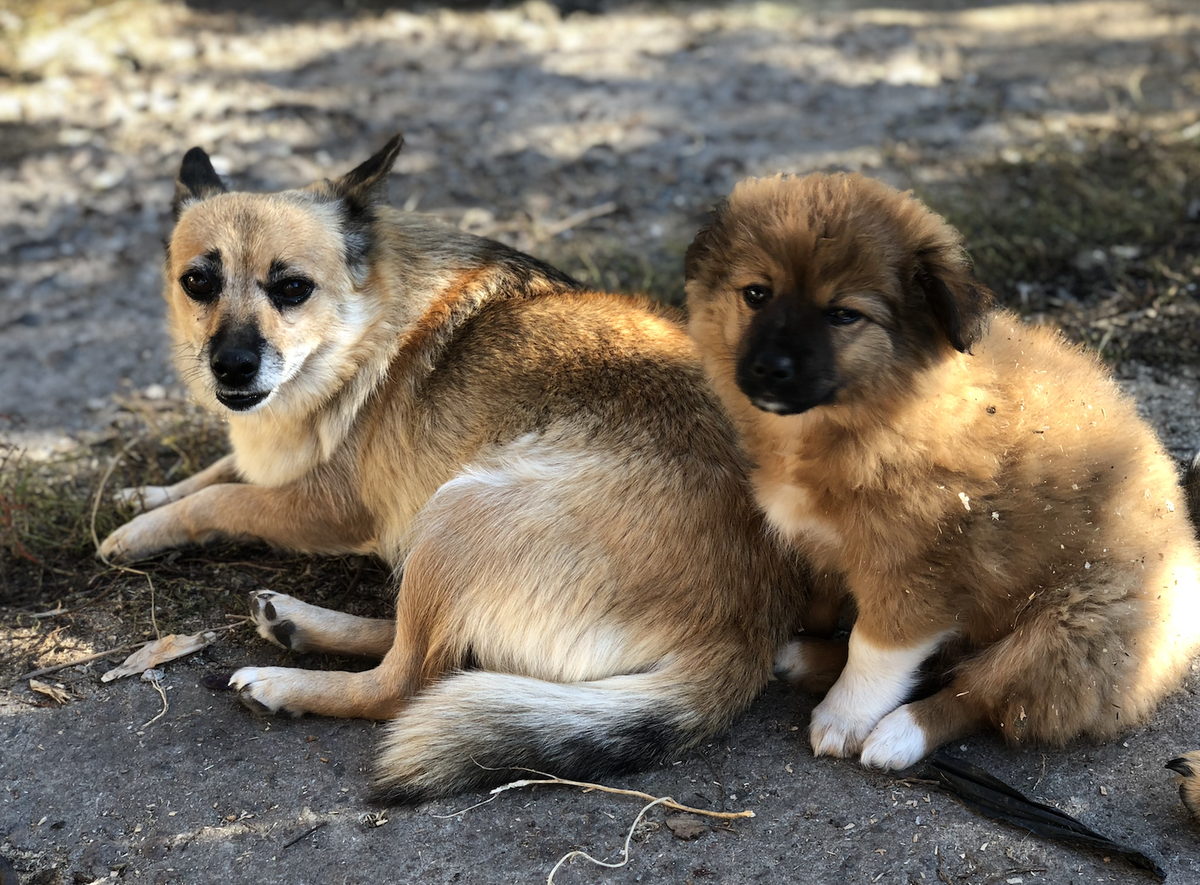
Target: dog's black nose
pixel 234 366
pixel 773 367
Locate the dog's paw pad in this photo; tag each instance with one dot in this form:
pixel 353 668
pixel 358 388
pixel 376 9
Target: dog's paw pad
pixel 266 690
pixel 269 612
pixel 898 741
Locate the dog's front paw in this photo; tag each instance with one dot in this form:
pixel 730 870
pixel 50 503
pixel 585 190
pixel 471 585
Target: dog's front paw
pixel 268 689
pixel 838 727
pixel 142 536
pixel 898 741
pixel 140 499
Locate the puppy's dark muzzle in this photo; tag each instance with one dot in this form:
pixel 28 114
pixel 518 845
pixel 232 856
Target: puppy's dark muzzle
pixel 234 359
pixel 775 381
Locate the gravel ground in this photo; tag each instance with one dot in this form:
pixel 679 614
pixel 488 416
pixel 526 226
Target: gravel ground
pixel 595 135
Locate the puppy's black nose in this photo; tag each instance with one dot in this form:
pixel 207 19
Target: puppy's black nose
pixel 773 367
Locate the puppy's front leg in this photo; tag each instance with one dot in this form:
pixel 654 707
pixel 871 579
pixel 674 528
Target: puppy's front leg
pixel 143 498
pixel 877 678
pixel 284 517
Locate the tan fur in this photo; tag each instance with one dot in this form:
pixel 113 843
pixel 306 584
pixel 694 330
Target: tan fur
pixel 1005 503
pixel 566 500
pixel 1187 770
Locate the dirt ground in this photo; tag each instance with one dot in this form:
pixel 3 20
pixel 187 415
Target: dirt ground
pixel 1063 137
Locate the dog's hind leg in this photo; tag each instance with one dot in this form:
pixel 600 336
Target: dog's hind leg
pixel 812 663
pixel 378 693
pixel 416 652
pixel 1088 659
pixel 300 627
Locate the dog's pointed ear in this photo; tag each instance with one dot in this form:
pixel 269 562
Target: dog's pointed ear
pixel 197 181
pixel 700 251
pixel 366 184
pixel 960 303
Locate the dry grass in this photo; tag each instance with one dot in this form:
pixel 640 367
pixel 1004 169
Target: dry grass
pixel 1098 232
pixel 58 602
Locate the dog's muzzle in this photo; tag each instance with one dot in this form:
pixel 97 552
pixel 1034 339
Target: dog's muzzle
pixel 234 359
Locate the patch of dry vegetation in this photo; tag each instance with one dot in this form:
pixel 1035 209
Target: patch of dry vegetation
pixel 59 603
pixel 1098 232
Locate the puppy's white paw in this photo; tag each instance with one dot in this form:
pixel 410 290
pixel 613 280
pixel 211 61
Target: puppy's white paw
pixel 268 689
pixel 896 742
pixel 789 661
pixel 143 498
pixel 838 727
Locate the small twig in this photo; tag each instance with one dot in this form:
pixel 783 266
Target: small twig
pixel 53 613
pixel 44 671
pixel 162 693
pixel 666 801
pixel 153 616
pixel 624 852
pixel 575 219
pixel 304 835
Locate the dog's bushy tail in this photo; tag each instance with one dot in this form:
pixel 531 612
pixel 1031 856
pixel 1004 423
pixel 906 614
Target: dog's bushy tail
pixel 1191 485
pixel 477 729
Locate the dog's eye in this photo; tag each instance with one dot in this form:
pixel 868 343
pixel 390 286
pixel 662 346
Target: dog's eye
pixel 291 291
pixel 756 295
pixel 198 285
pixel 843 316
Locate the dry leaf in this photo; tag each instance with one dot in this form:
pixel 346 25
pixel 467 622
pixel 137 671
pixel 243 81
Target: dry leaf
pixel 158 652
pixel 686 826
pixel 51 691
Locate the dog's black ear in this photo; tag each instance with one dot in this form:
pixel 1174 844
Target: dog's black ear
pixel 366 184
pixel 961 304
pixel 703 244
pixel 197 180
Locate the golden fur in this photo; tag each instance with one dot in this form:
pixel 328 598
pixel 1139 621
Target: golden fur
pixel 979 487
pixel 586 584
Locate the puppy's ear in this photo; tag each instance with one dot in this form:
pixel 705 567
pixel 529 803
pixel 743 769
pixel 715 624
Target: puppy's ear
pixel 703 245
pixel 197 181
pixel 961 304
pixel 366 184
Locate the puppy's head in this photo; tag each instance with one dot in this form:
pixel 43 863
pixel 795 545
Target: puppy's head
pixel 265 291
pixel 822 290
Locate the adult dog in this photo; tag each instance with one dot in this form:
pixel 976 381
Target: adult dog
pixel 586 583
pixel 980 487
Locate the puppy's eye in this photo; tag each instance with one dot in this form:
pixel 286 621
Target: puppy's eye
pixel 756 295
pixel 199 285
pixel 291 291
pixel 843 316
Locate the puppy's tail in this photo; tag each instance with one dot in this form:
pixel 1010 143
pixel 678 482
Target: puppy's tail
pixel 1191 485
pixel 478 729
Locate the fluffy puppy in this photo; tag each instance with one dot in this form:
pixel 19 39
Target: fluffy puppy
pixel 979 487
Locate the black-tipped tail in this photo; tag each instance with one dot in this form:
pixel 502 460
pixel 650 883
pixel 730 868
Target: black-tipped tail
pixel 479 729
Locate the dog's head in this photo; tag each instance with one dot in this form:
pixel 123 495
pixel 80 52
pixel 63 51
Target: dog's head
pixel 265 291
pixel 819 290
